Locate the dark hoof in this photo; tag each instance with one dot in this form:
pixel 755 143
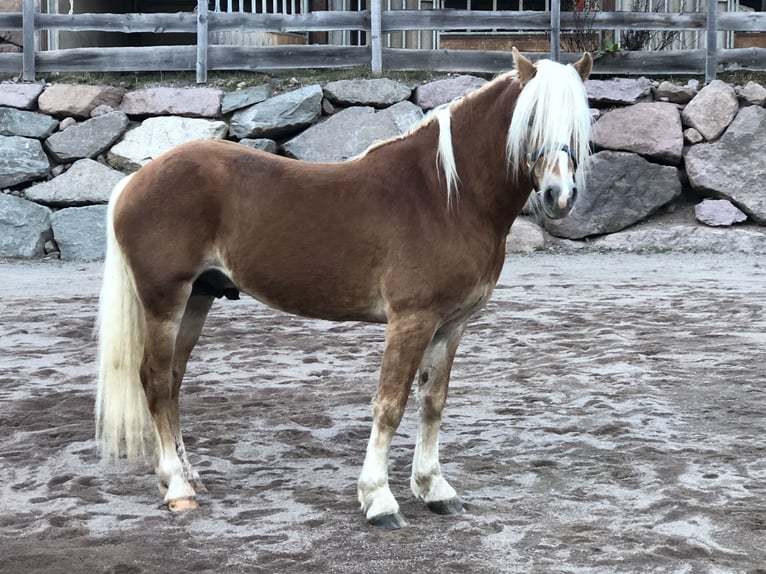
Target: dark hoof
pixel 446 507
pixel 389 521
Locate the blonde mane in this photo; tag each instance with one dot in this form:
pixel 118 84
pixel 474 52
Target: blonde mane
pixel 557 90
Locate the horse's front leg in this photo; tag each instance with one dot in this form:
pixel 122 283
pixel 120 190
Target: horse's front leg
pixel 407 337
pixel 427 482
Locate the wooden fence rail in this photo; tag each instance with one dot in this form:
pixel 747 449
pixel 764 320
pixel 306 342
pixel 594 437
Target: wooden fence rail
pixel 376 22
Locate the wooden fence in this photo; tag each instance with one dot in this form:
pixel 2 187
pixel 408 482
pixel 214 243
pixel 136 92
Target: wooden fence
pixel 375 22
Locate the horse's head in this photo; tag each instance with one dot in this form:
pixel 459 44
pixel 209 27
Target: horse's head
pixel 550 130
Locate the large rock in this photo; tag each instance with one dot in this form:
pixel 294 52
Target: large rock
pixel 712 109
pixel 26 124
pixel 278 116
pixel 734 167
pixel 440 92
pixel 718 213
pixel 680 238
pixel 378 92
pixel 24 227
pixel 753 94
pixel 668 91
pixel 77 100
pixel 80 232
pixel 22 96
pixel 155 136
pixel 650 129
pixel 621 190
pixel 245 97
pixel 166 101
pixel 351 131
pixel 525 237
pixel 618 91
pixel 86 182
pixel 88 139
pixel 21 159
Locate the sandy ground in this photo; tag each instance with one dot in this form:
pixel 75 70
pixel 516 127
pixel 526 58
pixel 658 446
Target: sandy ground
pixel 607 414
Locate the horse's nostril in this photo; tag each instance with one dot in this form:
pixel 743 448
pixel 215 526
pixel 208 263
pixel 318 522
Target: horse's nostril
pixel 573 196
pixel 548 196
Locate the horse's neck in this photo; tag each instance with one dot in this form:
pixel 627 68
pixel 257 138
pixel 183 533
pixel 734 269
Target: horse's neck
pixel 479 134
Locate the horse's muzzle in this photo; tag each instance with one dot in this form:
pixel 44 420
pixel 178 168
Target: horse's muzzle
pixel 557 202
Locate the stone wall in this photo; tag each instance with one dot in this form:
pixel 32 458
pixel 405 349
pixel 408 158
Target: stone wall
pixel 658 145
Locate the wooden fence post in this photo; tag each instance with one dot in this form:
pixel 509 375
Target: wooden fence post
pixel 376 58
pixel 711 55
pixel 555 30
pixel 202 20
pixel 28 34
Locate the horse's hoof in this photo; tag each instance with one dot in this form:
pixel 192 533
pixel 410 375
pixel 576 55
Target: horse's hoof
pixel 389 521
pixel 446 507
pixel 181 504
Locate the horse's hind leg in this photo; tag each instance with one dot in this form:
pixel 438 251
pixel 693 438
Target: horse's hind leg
pixel 406 339
pixel 193 320
pixel 427 482
pixel 161 376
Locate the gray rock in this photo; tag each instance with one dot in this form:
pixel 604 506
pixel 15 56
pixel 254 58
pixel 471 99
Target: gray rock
pixel 263 144
pixel 26 124
pixel 718 213
pixel 67 123
pixel 101 110
pixel 88 139
pixel 378 92
pixel 21 96
pixel 86 182
pixel 734 166
pixel 77 100
pixel 692 136
pixel 80 232
pixel 618 91
pixel 24 227
pixel 711 110
pixel 242 98
pixel 525 237
pixel 650 129
pixel 753 94
pixel 351 131
pixel 21 159
pixel 673 93
pixel 155 136
pixel 439 92
pixel 681 238
pixel 621 190
pixel 278 116
pixel 166 101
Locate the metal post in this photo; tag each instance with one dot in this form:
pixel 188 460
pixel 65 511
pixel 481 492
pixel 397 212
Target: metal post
pixel 28 33
pixel 376 15
pixel 555 30
pixel 711 55
pixel 202 20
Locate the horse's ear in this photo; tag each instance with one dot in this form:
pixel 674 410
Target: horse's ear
pixel 584 66
pixel 525 68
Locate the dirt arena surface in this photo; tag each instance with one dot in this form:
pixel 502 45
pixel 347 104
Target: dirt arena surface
pixel 606 415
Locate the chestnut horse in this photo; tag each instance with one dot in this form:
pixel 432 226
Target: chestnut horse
pixel 411 233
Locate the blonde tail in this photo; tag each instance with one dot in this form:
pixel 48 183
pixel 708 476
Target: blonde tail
pixel 122 416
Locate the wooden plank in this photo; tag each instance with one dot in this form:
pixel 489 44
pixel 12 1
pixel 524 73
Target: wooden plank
pixel 10 63
pixel 446 20
pixel 742 58
pixel 284 23
pixel 151 58
pixel 376 56
pixel 653 62
pixel 447 60
pixel 555 30
pixel 127 23
pixel 711 63
pixel 28 34
pixel 286 57
pixel 742 21
pixel 202 37
pixel 11 21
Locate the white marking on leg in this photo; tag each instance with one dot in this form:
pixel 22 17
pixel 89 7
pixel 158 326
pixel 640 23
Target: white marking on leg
pixel 375 496
pixel 170 471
